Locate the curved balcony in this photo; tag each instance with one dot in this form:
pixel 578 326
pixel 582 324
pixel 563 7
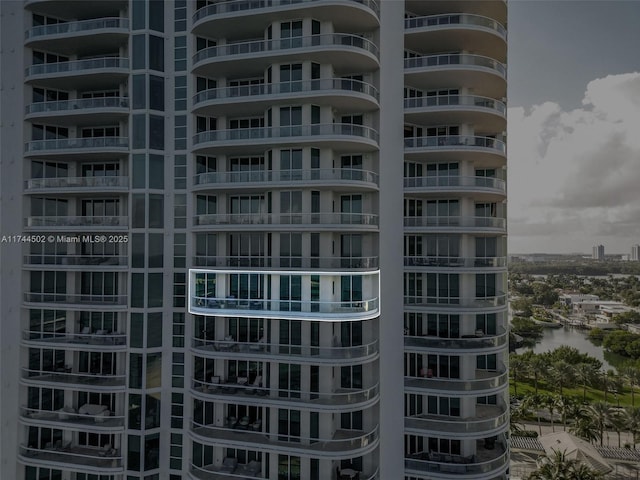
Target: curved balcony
pixel 467 343
pixel 486 76
pixel 75 9
pixel 73 457
pixel 343 443
pixel 352 95
pixel 77 222
pixel 456 224
pixel 93 73
pixel 491 114
pixel 80 37
pixel 230 16
pixel 276 221
pixel 101 340
pixel 81 111
pixel 345 137
pixel 486 187
pixel 485 463
pixel 65 378
pixel 77 146
pixel 341 399
pixel 457 32
pixel 324 311
pixel 82 184
pixel 496 10
pixel 459 264
pixel 346 52
pixel 78 300
pixel 489 420
pixel 483 151
pixel 76 262
pixel 459 304
pixel 292 263
pixel 213 472
pixel 486 382
pixel 330 177
pixel 67 418
pixel 294 353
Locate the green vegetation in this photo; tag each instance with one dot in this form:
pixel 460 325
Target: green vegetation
pixel 527 328
pixel 558 466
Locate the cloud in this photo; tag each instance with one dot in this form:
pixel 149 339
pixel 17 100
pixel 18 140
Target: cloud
pixel 574 176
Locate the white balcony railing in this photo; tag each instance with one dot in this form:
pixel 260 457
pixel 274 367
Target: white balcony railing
pixel 100 338
pixel 285 176
pixel 78 66
pixel 78 104
pixel 363 219
pixel 77 221
pixel 86 143
pixel 459 102
pixel 497 300
pixel 456 221
pixel 77 182
pixel 78 27
pixel 75 298
pixel 454 262
pixel 455 19
pixel 462 142
pixel 329 263
pixel 456 60
pixel 453 181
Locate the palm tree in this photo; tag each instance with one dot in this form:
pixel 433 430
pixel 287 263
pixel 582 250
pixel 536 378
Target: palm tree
pixel 534 403
pixel 563 373
pixel 633 423
pixel 585 373
pixel 558 467
pixel 518 368
pixel 586 428
pixel 537 368
pixel 602 413
pixel 568 408
pixel 550 402
pixel 618 421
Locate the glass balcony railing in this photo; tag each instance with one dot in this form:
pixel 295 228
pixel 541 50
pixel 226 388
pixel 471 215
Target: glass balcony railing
pixel 77 221
pixel 455 262
pixel 454 181
pixel 261 348
pixel 102 337
pixel 285 176
pixel 235 6
pixel 78 104
pixel 456 60
pixel 456 221
pixel 288 88
pixel 75 298
pixel 76 260
pixel 484 380
pixel 287 262
pixel 337 398
pixel 464 342
pixel 80 67
pixel 497 300
pixel 455 19
pixel 266 133
pixel 287 219
pixel 257 47
pixel 283 308
pixel 217 472
pixel 455 102
pixel 82 457
pixel 78 144
pixel 77 182
pixel 486 420
pixel 87 26
pixel 457 141
pixel 70 417
pixel 66 376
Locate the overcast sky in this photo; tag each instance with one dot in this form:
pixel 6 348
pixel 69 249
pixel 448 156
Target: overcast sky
pixel 574 125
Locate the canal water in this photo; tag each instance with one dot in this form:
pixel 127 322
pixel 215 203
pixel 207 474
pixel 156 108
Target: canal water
pixel 573 337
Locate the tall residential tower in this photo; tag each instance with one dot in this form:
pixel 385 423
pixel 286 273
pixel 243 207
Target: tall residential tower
pixel 223 257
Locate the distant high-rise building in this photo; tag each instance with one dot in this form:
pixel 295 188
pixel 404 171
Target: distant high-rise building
pixel 598 252
pixel 635 253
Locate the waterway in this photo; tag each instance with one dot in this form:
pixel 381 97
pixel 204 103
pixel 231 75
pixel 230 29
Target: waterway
pixel 573 337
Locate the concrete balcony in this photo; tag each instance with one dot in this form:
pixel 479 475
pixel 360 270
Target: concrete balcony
pixel 485 187
pixel 230 16
pixel 434 304
pixel 75 262
pixel 328 177
pixel 77 222
pixel 66 379
pixel 77 146
pixel 342 443
pixel 66 418
pixel 485 112
pixel 72 457
pixel 215 472
pixel 485 382
pixel 487 462
pixel 462 223
pixel 489 420
pixel 276 221
pixel 485 76
pixel 99 341
pixel 457 264
pixel 77 300
pixel 315 355
pixel 352 95
pixel 469 343
pixel 81 111
pixel 303 263
pixel 80 184
pixel 346 52
pixel 80 37
pixel 337 400
pixel 482 151
pixel 345 137
pixel 80 74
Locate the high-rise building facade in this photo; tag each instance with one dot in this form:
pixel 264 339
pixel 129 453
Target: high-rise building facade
pixel 635 253
pixel 223 256
pixel 597 252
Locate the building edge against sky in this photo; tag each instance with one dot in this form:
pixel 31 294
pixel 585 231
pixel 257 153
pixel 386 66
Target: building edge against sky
pixel 214 282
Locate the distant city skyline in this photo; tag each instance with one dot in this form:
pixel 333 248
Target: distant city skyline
pixel 574 151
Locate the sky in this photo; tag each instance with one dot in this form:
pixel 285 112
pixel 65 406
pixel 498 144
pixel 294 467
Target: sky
pixel 574 125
